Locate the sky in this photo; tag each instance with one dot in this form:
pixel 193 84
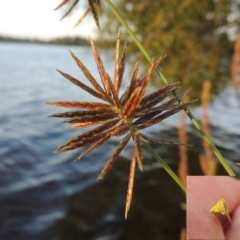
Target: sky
pixel 36 19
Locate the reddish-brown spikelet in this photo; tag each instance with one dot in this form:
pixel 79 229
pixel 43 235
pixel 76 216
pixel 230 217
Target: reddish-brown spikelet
pixel 87 137
pixel 61 4
pixel 116 115
pixel 88 75
pixel 116 74
pixel 133 81
pixel 138 150
pixel 70 8
pixel 114 156
pixel 82 85
pixel 101 139
pixel 73 104
pixel 121 68
pixel 89 124
pixel 102 73
pixel 131 104
pixel 91 118
pixel 94 7
pixel 130 183
pixel 82 17
pixel 82 113
pixel 84 125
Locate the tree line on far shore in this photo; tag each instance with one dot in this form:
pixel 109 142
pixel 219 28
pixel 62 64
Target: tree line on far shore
pixel 80 41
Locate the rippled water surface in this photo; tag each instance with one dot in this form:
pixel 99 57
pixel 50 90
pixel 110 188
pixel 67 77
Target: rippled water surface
pixel 48 196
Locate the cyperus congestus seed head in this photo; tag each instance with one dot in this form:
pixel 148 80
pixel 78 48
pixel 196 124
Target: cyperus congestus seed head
pixel 115 115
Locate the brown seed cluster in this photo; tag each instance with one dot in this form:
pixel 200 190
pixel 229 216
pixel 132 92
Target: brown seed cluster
pixel 94 7
pixel 123 115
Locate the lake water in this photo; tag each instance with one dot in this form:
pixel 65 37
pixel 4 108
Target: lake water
pixel 48 196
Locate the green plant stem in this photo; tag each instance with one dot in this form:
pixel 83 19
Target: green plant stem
pixel 165 166
pixel 188 112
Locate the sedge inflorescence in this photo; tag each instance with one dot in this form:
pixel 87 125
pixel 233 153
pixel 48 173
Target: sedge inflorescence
pixel 117 115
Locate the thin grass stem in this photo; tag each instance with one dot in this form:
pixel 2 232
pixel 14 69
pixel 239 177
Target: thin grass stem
pixel 164 165
pixel 188 112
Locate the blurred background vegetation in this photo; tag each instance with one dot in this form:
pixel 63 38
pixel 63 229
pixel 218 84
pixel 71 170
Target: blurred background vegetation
pixel 196 36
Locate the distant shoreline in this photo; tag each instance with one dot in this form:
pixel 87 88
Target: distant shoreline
pixel 57 41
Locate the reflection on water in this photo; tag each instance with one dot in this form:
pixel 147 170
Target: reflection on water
pixel 155 210
pixel 48 196
pixel 235 68
pixel 207 162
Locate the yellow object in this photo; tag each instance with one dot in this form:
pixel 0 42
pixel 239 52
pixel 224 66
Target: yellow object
pixel 220 207
pixel 221 212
